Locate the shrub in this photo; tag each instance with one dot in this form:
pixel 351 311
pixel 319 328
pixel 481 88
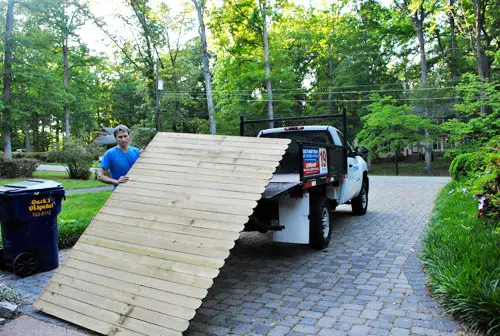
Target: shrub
pixel 78 158
pixel 140 138
pixel 464 165
pixel 462 260
pixel 17 167
pixel 39 156
pixel 69 232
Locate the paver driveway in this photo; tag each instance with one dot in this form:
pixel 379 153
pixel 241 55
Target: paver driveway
pixel 368 282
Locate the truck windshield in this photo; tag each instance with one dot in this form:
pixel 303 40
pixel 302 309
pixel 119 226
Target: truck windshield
pixel 290 164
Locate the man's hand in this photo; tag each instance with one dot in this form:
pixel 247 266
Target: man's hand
pixel 122 179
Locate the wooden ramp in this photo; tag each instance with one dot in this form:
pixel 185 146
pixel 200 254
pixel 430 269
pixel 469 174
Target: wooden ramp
pixel 148 258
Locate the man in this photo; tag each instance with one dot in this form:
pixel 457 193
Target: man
pixel 119 159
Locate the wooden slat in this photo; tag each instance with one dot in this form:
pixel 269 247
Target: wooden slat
pixel 230 209
pixel 150 255
pixel 136 291
pixel 157 163
pixel 154 225
pixel 152 171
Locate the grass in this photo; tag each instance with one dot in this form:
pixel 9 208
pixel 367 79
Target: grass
pixel 61 177
pixel 461 256
pixel 439 168
pixel 78 210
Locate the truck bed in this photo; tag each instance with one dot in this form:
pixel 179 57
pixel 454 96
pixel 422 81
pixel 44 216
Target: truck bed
pixel 280 183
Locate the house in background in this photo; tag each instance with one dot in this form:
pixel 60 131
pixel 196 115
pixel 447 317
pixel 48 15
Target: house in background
pixel 106 138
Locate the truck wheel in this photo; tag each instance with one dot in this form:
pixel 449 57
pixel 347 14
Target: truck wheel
pixel 359 203
pixel 320 226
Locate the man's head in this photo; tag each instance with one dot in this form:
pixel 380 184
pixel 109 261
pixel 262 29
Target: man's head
pixel 121 134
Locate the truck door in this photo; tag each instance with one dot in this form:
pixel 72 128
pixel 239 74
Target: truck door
pixel 354 173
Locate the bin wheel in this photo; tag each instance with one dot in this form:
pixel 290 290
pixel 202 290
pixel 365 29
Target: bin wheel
pixel 25 264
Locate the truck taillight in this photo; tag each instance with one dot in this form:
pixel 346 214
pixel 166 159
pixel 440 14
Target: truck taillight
pixel 294 128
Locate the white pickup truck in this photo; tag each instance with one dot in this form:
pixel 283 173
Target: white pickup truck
pixel 318 172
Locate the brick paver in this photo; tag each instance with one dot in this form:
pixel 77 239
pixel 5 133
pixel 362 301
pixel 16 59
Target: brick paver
pixel 368 282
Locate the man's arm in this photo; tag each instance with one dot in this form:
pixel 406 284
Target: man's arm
pixel 106 179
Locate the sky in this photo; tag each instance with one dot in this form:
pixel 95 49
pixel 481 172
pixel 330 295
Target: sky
pixel 99 43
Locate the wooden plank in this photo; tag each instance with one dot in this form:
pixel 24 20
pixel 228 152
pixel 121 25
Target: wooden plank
pixel 153 252
pixel 166 136
pixel 263 167
pixel 154 225
pixel 254 150
pixel 190 190
pixel 170 197
pixel 223 156
pixel 161 165
pixel 194 214
pixel 148 170
pixel 210 153
pixel 140 259
pixel 119 320
pixel 83 320
pixel 127 195
pixel 134 290
pixel 141 269
pixel 162 234
pixel 117 302
pixel 168 286
pixel 177 220
pixel 195 249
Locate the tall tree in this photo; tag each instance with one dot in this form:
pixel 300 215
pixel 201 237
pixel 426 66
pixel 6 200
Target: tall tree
pixel 200 7
pixel 7 80
pixel 264 8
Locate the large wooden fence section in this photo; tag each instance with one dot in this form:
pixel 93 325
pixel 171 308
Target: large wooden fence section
pixel 150 255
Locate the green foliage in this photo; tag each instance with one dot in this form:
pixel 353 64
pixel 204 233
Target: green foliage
pixel 77 212
pixel 389 128
pixel 9 294
pixel 17 167
pixel 140 138
pixel 39 156
pixel 462 260
pixel 465 165
pixel 78 158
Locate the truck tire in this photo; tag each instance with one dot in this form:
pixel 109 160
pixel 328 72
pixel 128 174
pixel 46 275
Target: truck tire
pixel 359 203
pixel 320 224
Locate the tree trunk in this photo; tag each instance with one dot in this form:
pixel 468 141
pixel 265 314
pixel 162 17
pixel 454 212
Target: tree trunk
pixel 480 59
pixel 7 81
pixel 206 67
pixel 27 137
pixel 66 88
pixel 421 47
pixel 269 88
pixel 330 84
pixel 453 38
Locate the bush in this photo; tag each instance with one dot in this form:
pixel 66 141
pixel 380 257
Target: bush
pixel 462 259
pixel 140 138
pixel 17 167
pixel 9 294
pixel 78 158
pixel 69 232
pixel 464 165
pixel 39 156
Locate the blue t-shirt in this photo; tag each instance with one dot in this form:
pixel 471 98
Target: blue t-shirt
pixel 119 163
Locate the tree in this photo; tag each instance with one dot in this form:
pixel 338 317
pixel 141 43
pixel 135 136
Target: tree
pixel 264 8
pixel 200 7
pixel 7 80
pixel 390 128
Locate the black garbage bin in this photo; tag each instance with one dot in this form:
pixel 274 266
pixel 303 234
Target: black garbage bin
pixel 28 215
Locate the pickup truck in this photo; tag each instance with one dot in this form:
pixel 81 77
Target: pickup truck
pixel 318 172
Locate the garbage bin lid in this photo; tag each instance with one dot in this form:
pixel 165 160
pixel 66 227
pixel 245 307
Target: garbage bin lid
pixel 29 185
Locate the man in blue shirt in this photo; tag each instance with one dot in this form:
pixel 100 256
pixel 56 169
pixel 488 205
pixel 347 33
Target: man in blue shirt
pixel 119 159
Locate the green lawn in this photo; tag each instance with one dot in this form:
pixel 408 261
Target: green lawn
pixel 61 177
pixel 462 260
pixel 78 210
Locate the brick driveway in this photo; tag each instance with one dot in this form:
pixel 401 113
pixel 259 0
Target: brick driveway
pixel 368 282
